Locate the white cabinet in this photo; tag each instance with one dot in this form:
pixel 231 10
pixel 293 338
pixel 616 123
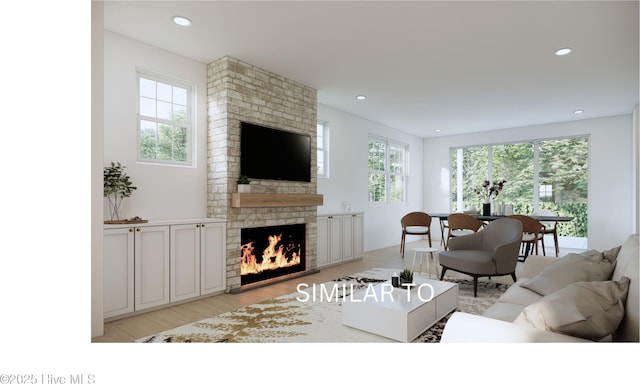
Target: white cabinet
pixel 213 260
pixel 118 271
pixel 135 268
pixel 340 238
pixel 352 238
pixel 198 263
pixel 185 261
pixel 150 265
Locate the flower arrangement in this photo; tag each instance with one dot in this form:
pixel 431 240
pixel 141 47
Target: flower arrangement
pixel 487 189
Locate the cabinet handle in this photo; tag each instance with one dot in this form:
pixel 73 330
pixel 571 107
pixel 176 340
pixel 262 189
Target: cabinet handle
pixel 137 229
pixel 130 229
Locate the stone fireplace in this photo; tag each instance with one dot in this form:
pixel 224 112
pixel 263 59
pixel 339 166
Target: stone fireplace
pixel 239 92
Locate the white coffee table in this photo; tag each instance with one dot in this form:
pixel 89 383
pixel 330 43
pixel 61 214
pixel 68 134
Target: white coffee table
pixel 396 313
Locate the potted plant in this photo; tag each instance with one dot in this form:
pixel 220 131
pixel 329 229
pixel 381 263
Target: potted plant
pixel 243 184
pixel 406 276
pixel 117 186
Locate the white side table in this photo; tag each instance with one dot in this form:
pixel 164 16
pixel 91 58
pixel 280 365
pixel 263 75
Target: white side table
pixel 424 251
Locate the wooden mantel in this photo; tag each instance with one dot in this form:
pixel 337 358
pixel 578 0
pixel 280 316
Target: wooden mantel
pixel 270 200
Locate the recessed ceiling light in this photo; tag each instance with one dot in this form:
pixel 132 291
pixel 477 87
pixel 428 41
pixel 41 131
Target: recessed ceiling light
pixel 437 130
pixel 182 21
pixel 361 97
pixel 578 111
pixel 563 51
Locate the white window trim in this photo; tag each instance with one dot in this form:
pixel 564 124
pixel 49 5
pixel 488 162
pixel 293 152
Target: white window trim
pixel 388 173
pixel 190 162
pixel 325 149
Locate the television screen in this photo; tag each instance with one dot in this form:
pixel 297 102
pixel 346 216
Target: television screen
pixel 274 154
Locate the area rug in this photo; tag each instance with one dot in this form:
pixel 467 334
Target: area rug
pixel 298 318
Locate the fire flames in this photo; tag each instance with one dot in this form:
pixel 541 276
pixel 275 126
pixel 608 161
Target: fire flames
pixel 274 256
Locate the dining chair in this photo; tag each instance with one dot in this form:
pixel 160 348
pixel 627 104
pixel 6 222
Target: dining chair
pixel 415 223
pixel 444 226
pixel 461 224
pixel 532 233
pixel 550 227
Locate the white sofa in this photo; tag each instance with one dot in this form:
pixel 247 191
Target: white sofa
pixel 512 317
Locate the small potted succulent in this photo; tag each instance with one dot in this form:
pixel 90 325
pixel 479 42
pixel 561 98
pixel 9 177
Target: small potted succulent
pixel 243 184
pixel 406 276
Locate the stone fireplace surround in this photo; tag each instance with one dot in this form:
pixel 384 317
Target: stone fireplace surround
pixel 237 92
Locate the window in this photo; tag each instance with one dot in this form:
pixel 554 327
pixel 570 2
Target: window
pixel 387 171
pixel 549 174
pixel 323 149
pixel 164 120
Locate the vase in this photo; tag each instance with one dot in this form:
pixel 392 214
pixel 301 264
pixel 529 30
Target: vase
pixel 486 209
pixel 113 213
pixel 244 188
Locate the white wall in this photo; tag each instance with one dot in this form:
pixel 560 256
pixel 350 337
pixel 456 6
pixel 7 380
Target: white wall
pixel 348 180
pixel 97 149
pixel 611 195
pixel 164 192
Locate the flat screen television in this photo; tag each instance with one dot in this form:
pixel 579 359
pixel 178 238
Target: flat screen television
pixel 274 154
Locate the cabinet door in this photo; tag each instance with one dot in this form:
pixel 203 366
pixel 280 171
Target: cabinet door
pixel 358 234
pixel 151 266
pixel 213 260
pixel 185 261
pixel 335 239
pixel 118 248
pixel 323 241
pixel 347 238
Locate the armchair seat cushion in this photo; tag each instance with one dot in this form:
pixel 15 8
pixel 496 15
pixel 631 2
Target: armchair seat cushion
pixel 479 261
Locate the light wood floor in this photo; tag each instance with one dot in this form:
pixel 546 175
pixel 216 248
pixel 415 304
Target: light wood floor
pixel 135 327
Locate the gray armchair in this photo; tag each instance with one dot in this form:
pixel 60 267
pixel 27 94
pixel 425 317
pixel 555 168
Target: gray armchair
pixel 492 251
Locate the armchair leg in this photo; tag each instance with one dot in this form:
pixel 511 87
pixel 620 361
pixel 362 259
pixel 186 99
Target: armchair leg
pixel 444 269
pixel 475 286
pixel 513 276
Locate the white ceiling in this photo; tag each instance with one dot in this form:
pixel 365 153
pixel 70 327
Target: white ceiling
pixel 424 65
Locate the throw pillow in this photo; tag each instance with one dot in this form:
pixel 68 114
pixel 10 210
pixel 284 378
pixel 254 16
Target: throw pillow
pixel 589 310
pixel 612 254
pixel 574 267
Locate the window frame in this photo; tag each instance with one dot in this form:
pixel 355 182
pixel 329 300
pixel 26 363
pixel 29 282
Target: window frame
pixel 537 201
pixel 189 123
pixel 388 173
pixel 324 150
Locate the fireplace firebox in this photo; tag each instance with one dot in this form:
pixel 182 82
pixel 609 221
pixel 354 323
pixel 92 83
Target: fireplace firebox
pixel 273 251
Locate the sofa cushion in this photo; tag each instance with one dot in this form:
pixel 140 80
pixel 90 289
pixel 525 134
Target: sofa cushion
pixel 503 311
pixel 590 310
pixel 516 294
pixel 574 267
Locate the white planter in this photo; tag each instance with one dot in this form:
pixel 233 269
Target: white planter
pixel 244 188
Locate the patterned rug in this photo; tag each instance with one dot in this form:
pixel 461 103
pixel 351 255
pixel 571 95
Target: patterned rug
pixel 297 318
